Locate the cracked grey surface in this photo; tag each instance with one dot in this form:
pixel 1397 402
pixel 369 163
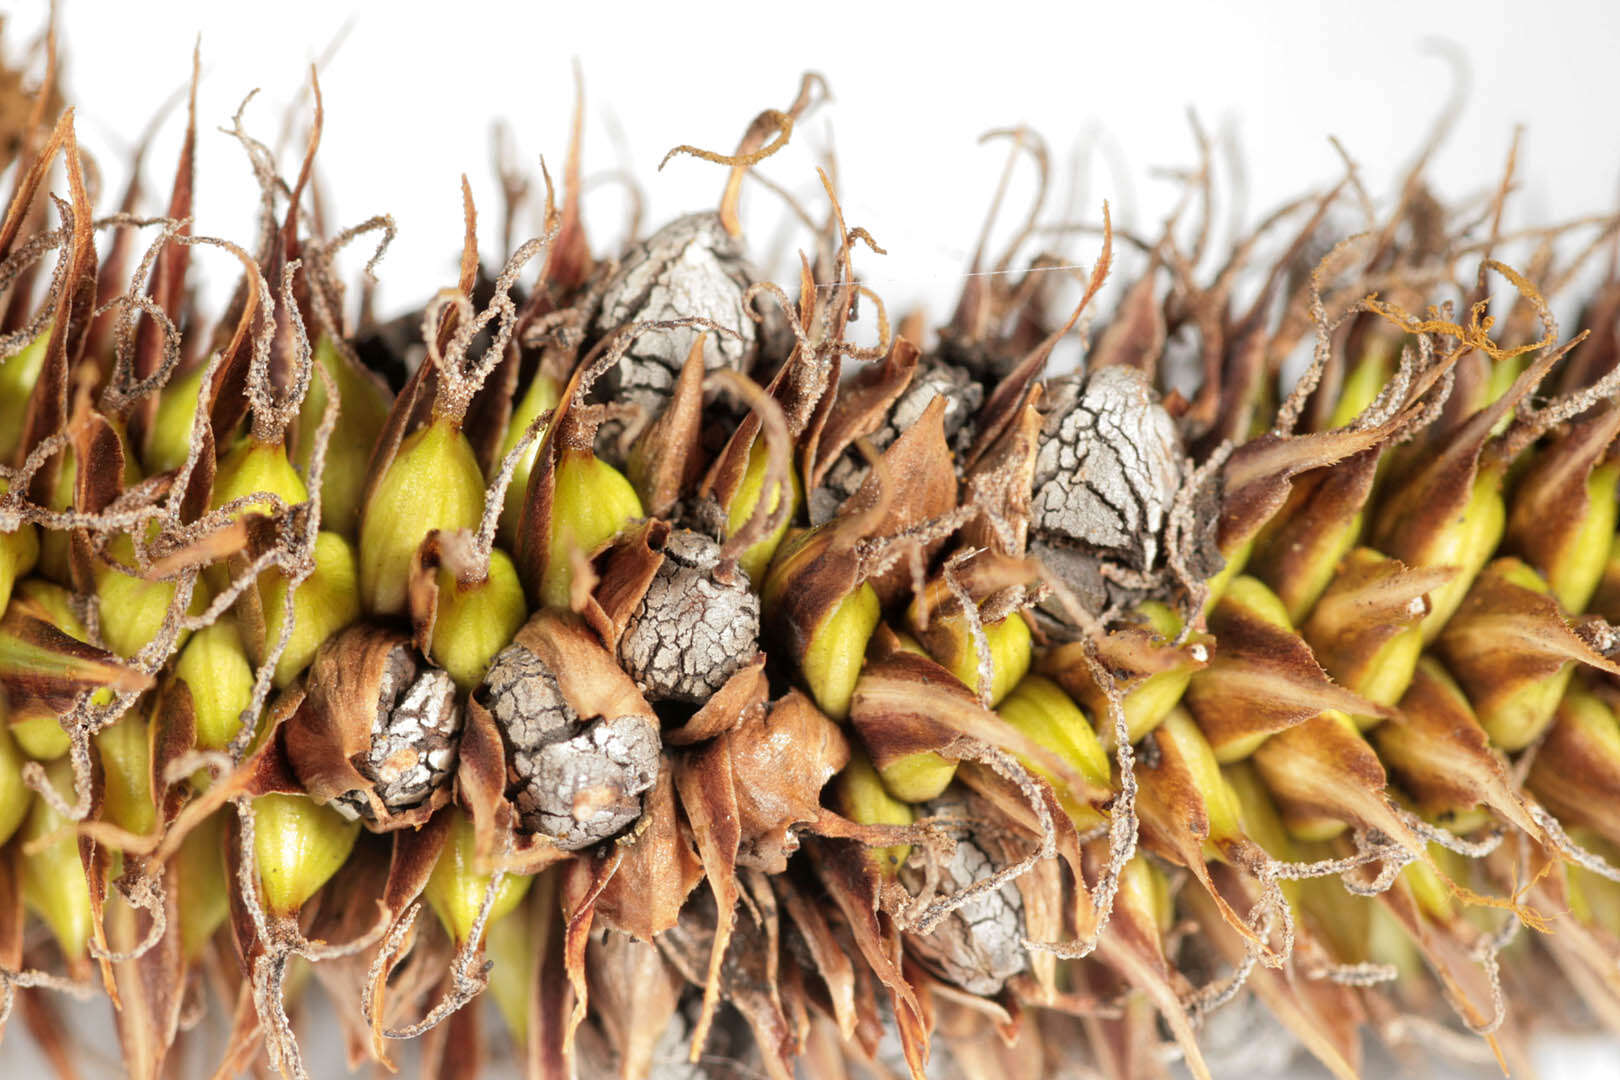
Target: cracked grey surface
pixel 413 739
pixel 980 945
pixel 934 378
pixel 579 781
pixel 690 267
pixel 696 625
pixel 1107 472
pixel 1108 467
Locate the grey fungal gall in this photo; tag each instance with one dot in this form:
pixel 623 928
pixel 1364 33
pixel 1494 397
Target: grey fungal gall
pixel 1108 467
pixel 574 779
pixel 979 946
pixel 691 268
pixel 696 625
pixel 1107 473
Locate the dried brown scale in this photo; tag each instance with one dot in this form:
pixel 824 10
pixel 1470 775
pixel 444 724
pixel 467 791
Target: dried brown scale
pixel 725 1056
pixel 576 780
pixel 413 742
pixel 696 625
pixel 934 378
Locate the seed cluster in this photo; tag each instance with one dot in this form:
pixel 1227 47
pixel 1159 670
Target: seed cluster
pixel 847 700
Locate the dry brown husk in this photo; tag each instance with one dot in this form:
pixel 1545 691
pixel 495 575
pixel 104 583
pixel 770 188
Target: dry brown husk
pixel 656 871
pixel 1369 602
pixel 906 704
pixel 623 572
pixel 1263 679
pixel 1324 1015
pixel 1551 498
pixel 666 462
pixel 1577 778
pixel 861 403
pixel 74 667
pixel 1175 825
pixel 1443 759
pixel 1505 636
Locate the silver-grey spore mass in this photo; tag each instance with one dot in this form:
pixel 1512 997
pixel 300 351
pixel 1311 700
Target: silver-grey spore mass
pixel 1107 473
pixel 691 267
pixel 979 946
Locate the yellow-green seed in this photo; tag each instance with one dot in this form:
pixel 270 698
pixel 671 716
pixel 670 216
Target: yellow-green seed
pixel 203 885
pixel 53 879
pixel 832 662
pixel 1365 380
pixel 1143 887
pixel 19 551
pixel 15 797
pixel 1147 704
pixel 540 397
pixel 215 668
pixel 363 409
pixel 168 437
pixel 126 761
pixel 859 795
pixel 132 608
pixel 1466 544
pixel 434 482
pixel 18 374
pixel 1575 571
pixel 918 777
pixel 509 943
pixel 591 502
pixel 476 621
pixel 252 468
pixel 299 846
pixel 456 888
pixel 1009 642
pixel 757 559
pixel 326 602
pixel 926 774
pixel 1039 709
pixel 1220 801
pixel 1236 560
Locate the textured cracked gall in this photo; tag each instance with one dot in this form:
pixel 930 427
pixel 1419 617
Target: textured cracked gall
pixel 577 780
pixel 696 625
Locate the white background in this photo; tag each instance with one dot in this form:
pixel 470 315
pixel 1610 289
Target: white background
pixel 411 91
